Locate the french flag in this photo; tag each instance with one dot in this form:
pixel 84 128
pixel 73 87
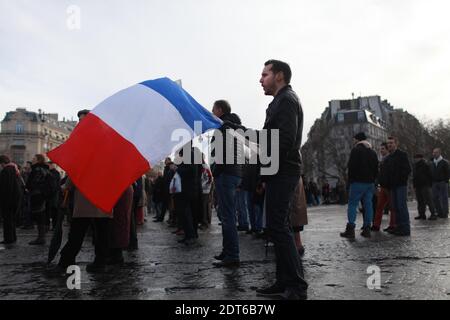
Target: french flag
pixel 125 134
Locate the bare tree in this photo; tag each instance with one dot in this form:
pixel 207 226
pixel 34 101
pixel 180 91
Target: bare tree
pixel 439 130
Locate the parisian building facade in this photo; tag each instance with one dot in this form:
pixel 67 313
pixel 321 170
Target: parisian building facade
pixel 326 152
pixel 26 133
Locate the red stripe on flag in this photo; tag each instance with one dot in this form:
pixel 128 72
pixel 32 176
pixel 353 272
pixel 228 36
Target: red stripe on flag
pixel 99 161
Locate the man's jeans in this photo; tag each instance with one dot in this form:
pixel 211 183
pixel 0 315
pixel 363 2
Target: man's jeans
pixel 424 198
pixel 226 186
pixel 360 192
pixel 255 213
pixel 399 202
pixel 242 208
pixel 78 229
pixel 279 193
pixel 440 195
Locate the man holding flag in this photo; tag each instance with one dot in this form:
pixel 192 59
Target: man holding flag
pixel 123 129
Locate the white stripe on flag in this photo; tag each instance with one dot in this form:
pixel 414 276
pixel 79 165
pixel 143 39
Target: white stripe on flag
pixel 145 118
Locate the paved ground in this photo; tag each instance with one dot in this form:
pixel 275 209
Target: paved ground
pixel 411 268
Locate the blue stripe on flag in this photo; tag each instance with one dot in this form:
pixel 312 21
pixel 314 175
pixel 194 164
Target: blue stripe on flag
pixel 189 109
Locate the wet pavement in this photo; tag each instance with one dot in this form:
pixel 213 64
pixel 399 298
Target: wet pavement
pixel 410 268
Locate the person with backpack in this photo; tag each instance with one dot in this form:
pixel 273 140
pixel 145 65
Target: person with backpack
pixel 39 186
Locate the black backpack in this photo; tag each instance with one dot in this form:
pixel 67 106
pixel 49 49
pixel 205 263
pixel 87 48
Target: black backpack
pixel 43 182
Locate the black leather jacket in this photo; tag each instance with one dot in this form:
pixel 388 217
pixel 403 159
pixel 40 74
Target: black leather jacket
pixel 398 169
pixel 441 172
pixel 285 113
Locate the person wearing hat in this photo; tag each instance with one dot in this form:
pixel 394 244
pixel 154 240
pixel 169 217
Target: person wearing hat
pixel 85 214
pixel 422 181
pixel 362 172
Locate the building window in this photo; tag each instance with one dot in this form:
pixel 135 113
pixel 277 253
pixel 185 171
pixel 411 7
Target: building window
pixel 361 116
pixel 340 117
pixel 19 127
pixel 18 142
pixel 18 158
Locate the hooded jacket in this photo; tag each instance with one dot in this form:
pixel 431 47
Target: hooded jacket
pixel 233 169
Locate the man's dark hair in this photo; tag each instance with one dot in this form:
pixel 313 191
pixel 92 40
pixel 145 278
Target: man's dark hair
pixel 40 158
pixel 223 105
pixel 393 138
pixel 83 112
pixel 280 66
pixel 4 159
pixel 384 144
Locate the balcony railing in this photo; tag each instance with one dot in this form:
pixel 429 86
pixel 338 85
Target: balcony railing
pixel 21 133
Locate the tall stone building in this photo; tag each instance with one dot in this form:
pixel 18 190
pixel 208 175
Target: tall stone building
pixel 326 152
pixel 25 133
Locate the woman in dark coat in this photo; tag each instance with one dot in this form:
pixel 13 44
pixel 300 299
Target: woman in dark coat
pixel 119 235
pixel 188 202
pixel 298 216
pixel 11 190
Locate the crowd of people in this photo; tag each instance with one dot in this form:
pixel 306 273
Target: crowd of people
pixel 325 195
pixel 382 186
pixel 29 195
pixel 270 207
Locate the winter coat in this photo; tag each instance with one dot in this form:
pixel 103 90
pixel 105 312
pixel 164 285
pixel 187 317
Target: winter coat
pixel 82 207
pixel 143 201
pixel 398 169
pixel 11 189
pixel 56 194
pixel 298 212
pixel 363 164
pixel 39 185
pixel 139 195
pixel 167 177
pixel 233 169
pixel 422 176
pixel 190 175
pixel 158 189
pixel 382 174
pixel 285 114
pixel 251 177
pixel 441 172
pixel 120 223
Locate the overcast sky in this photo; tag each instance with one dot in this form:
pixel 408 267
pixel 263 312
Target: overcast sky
pixel 398 49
